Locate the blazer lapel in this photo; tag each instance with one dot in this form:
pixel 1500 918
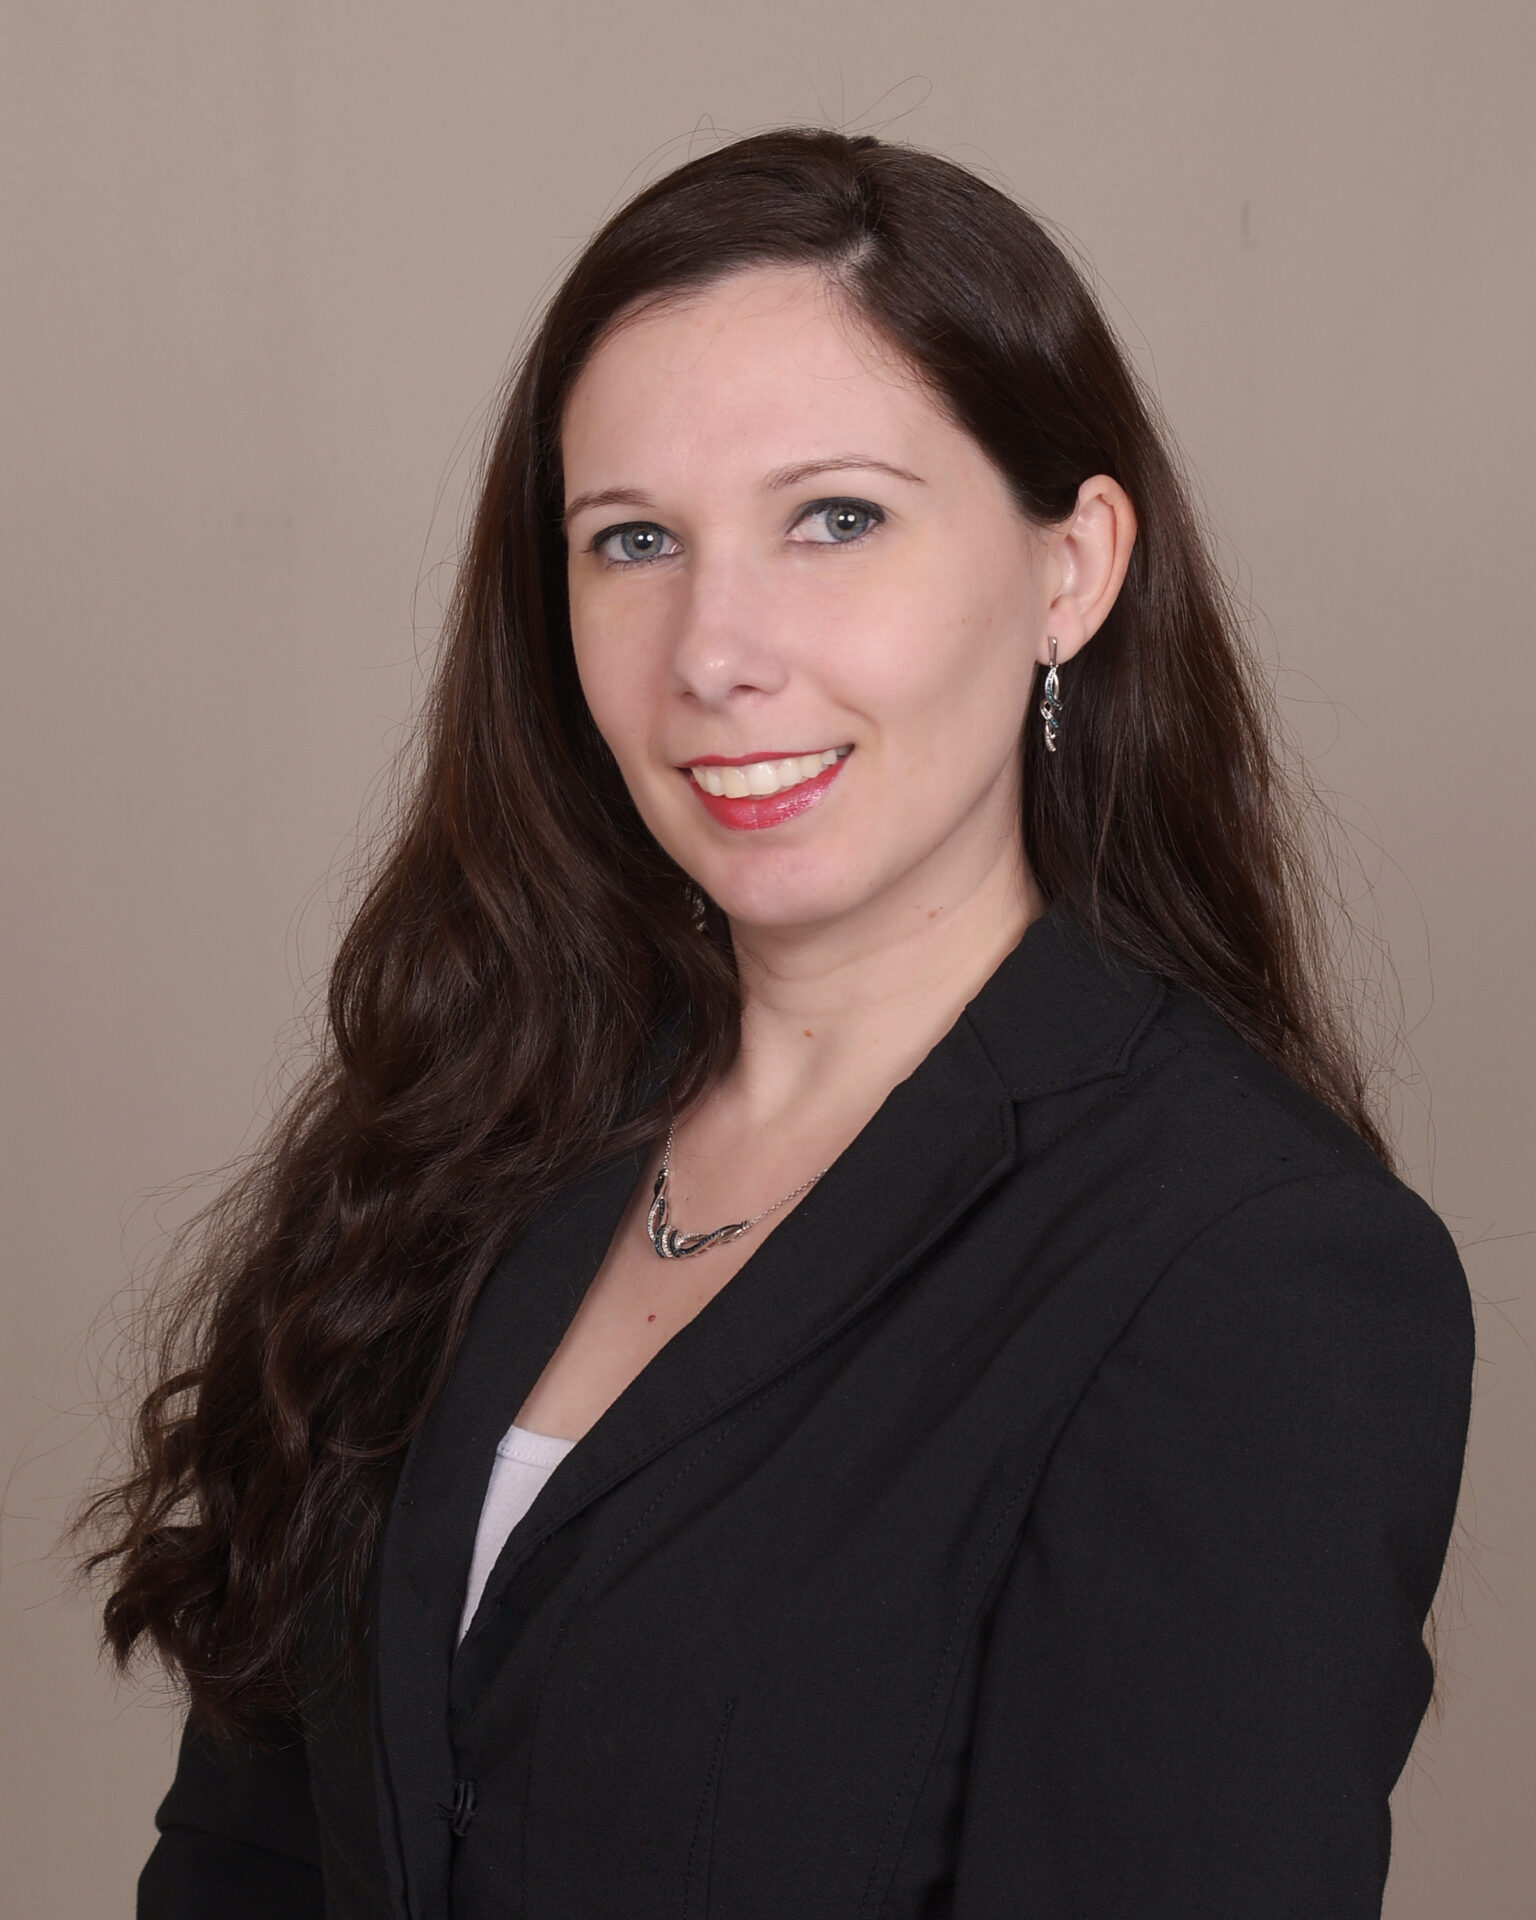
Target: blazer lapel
pixel 940 1141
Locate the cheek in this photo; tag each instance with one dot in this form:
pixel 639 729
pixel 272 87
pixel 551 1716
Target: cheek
pixel 612 665
pixel 948 665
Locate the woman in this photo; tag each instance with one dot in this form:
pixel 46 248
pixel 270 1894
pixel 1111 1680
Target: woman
pixel 834 1335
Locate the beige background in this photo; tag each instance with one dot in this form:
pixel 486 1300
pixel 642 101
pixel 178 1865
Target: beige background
pixel 264 266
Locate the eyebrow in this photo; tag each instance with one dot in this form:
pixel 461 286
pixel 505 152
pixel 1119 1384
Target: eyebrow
pixel 775 482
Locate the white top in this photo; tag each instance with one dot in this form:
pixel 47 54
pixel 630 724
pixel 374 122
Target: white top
pixel 524 1461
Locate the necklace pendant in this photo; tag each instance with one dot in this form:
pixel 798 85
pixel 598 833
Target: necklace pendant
pixel 672 1244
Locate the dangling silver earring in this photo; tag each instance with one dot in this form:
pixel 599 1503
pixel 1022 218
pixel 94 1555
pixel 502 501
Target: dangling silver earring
pixel 1050 706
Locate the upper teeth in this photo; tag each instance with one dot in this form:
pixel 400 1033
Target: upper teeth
pixel 763 776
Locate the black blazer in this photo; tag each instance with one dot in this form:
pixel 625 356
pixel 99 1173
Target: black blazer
pixel 1040 1526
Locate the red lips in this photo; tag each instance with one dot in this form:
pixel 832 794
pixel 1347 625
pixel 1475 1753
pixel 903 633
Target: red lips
pixel 753 813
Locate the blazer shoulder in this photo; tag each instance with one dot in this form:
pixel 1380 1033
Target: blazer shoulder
pixel 1290 1166
pixel 1205 1083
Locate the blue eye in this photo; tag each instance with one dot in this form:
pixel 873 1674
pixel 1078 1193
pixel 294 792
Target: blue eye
pixel 844 520
pixel 640 540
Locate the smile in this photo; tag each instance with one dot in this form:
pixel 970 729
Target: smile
pixel 759 778
pixel 749 795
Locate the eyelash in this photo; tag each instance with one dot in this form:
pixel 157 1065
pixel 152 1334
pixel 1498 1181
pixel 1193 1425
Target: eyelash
pixel 876 516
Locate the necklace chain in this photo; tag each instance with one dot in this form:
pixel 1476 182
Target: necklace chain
pixel 672 1244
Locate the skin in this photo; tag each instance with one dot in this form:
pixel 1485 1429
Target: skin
pixel 864 925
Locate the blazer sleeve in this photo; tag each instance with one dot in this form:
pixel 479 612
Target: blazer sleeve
pixel 1205 1668
pixel 238 1835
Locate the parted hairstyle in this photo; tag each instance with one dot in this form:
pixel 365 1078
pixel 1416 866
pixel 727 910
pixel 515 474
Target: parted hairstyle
pixel 496 1005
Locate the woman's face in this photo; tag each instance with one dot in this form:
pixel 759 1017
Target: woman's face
pixel 806 612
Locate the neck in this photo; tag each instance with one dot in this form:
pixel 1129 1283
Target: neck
pixel 835 1015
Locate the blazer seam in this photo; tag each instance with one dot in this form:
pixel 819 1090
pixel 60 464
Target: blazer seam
pixel 597 1573
pixel 704 1825
pixel 1020 1501
pixel 1314 1176
pixel 1183 1250
pixel 1021 1497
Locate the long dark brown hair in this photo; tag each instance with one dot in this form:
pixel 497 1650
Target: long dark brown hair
pixel 496 1005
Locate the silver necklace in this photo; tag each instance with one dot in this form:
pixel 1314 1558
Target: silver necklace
pixel 671 1244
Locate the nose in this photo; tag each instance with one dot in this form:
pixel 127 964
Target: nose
pixel 730 638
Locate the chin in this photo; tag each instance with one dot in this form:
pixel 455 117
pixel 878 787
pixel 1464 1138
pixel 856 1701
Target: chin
pixel 784 901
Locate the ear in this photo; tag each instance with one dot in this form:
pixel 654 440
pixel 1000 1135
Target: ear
pixel 1091 549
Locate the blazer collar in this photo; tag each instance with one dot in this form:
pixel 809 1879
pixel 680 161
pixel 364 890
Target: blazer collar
pixel 1053 1016
pixel 1062 1010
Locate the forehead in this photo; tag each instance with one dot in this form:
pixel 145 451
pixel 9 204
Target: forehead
pixel 758 369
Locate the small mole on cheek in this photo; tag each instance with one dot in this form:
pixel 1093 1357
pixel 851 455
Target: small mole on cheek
pixel 933 913
pixel 809 1035
pixel 650 1316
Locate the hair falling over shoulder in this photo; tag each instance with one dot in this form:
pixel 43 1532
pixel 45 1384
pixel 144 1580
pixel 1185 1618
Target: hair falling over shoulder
pixel 496 1007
